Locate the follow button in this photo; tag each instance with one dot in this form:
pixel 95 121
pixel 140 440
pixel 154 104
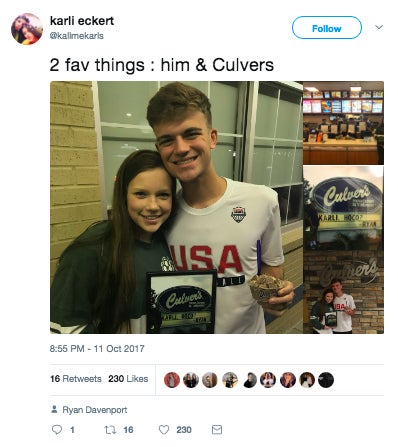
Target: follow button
pixel 327 27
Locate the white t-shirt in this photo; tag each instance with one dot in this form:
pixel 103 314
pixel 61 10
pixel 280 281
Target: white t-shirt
pixel 344 321
pixel 224 236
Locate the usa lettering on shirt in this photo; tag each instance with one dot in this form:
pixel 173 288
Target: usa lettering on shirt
pixel 339 307
pixel 200 257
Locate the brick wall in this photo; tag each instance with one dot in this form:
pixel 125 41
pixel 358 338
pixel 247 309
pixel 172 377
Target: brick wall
pixel 75 198
pixel 367 290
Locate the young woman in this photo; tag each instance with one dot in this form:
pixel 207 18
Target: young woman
pixel 100 283
pixel 31 34
pixel 16 28
pixel 288 379
pixel 321 312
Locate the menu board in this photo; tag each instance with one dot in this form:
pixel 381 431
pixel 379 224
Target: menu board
pixel 316 107
pixel 336 106
pixel 340 105
pixel 307 106
pixel 346 106
pixel 377 106
pixel 356 106
pixel 326 107
pixel 366 106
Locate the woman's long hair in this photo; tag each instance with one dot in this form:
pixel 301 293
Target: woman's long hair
pixel 117 281
pixel 323 303
pixel 18 34
pixel 111 309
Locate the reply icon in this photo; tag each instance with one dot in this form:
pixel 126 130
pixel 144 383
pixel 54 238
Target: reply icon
pixel 56 429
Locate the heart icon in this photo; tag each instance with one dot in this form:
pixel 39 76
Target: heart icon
pixel 163 429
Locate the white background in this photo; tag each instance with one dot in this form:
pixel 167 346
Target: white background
pixel 148 31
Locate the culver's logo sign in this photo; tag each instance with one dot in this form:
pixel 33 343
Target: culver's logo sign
pixel 347 194
pixel 367 271
pixel 183 298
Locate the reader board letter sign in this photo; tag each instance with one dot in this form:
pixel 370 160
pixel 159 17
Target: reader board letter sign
pixel 181 302
pixel 348 203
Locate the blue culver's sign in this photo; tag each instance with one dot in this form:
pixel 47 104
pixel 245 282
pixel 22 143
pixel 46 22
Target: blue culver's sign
pixel 183 299
pixel 348 203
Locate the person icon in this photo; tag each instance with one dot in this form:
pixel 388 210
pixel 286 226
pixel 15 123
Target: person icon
pixel 267 379
pixel 326 380
pixel 250 381
pixel 54 409
pixel 230 379
pixel 172 379
pixel 26 29
pixel 190 380
pixel 209 380
pixel 307 379
pixel 288 379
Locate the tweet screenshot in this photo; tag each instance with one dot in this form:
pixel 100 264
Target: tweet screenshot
pixel 191 193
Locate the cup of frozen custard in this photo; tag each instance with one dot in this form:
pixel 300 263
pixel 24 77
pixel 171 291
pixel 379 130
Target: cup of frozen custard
pixel 264 286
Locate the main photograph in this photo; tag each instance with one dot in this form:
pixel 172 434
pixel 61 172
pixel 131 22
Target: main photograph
pixel 176 207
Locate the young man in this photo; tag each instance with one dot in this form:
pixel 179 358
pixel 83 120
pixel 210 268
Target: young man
pixel 220 221
pixel 345 306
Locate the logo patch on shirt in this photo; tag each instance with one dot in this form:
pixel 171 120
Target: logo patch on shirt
pixel 167 264
pixel 238 214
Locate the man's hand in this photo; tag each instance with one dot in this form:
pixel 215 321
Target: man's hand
pixel 277 305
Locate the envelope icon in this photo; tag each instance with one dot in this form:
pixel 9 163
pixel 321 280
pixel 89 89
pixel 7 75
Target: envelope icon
pixel 216 429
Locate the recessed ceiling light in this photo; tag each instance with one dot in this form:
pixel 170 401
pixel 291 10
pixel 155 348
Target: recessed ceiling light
pixel 311 89
pixel 355 89
pixel 129 114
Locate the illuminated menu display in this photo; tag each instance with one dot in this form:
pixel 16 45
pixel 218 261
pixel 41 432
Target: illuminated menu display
pixel 346 106
pixel 342 102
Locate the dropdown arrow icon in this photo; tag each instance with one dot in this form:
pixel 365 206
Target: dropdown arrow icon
pixel 379 26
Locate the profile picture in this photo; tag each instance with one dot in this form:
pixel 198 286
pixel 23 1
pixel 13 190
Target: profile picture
pixel 171 379
pixel 209 380
pixel 307 379
pixel 250 381
pixel 230 380
pixel 288 379
pixel 267 379
pixel 190 380
pixel 326 380
pixel 26 29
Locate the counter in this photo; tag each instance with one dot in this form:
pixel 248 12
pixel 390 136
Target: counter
pixel 341 152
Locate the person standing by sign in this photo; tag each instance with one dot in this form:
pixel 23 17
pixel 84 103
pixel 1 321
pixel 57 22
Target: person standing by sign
pixel 99 286
pixel 322 314
pixel 311 219
pixel 219 220
pixel 345 306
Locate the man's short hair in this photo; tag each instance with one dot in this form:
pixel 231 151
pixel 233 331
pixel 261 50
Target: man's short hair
pixel 334 280
pixel 173 101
